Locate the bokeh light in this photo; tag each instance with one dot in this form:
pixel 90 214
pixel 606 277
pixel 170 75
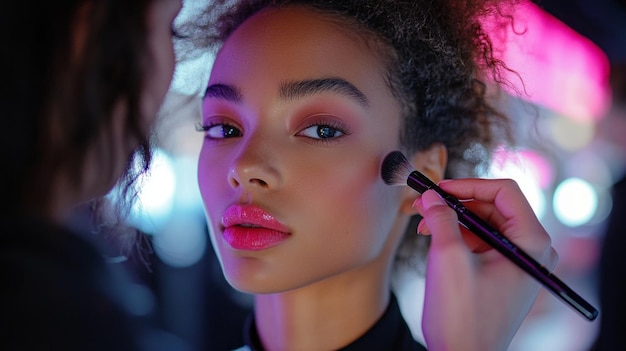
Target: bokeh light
pixel 560 69
pixel 571 135
pixel 155 195
pixel 531 172
pixel 575 201
pixel 182 242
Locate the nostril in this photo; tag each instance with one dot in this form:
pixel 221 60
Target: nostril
pixel 258 181
pixel 233 182
pixel 232 178
pixel 252 172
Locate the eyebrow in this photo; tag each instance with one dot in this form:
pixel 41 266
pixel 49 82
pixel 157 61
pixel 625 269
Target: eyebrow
pixel 225 92
pixel 303 88
pixel 294 90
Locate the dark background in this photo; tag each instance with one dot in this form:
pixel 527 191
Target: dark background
pixel 602 21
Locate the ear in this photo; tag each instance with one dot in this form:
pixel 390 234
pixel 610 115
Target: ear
pixel 432 163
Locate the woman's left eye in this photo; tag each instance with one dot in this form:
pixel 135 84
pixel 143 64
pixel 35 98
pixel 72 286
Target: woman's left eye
pixel 322 131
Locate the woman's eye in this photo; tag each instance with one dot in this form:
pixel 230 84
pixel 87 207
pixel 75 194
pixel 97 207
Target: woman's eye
pixel 220 131
pixel 322 131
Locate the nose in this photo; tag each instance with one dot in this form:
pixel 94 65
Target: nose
pixel 255 168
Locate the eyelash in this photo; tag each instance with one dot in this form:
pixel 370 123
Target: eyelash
pixel 340 127
pixel 206 128
pixel 202 128
pixel 330 124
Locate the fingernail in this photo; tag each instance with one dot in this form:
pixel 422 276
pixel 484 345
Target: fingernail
pixel 430 198
pixel 417 204
pixel 420 228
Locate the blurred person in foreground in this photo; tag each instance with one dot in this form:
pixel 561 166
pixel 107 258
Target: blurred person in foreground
pixel 83 82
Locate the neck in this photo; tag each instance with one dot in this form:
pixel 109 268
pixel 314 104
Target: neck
pixel 326 315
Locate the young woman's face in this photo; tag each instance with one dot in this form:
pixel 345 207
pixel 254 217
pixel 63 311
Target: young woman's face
pixel 297 120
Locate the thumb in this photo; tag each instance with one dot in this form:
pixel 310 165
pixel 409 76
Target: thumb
pixel 440 219
pixel 449 308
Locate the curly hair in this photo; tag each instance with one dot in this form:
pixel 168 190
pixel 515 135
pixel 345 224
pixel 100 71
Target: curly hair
pixel 437 55
pixel 439 62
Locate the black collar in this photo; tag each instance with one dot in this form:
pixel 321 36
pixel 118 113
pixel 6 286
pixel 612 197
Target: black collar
pixel 389 333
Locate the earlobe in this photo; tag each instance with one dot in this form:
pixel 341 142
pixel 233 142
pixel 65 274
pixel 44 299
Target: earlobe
pixel 432 163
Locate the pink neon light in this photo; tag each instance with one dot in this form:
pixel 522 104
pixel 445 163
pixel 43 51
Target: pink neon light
pixel 561 69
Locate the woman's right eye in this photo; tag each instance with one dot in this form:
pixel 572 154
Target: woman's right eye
pixel 220 131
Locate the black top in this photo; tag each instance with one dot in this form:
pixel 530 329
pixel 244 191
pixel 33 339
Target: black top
pixel 390 333
pixel 59 293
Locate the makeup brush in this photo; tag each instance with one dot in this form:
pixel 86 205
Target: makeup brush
pixel 397 170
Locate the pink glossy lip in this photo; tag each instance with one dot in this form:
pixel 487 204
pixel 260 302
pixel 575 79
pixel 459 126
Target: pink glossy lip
pixel 251 228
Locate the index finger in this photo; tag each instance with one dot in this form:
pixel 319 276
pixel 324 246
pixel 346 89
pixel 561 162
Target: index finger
pixel 505 194
pixel 518 221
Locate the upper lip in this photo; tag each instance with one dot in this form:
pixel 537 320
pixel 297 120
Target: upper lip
pixel 253 216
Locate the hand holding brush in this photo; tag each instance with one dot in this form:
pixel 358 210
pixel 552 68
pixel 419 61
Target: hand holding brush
pixel 508 202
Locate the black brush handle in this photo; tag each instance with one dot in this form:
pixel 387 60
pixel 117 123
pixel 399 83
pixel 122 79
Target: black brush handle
pixel 495 239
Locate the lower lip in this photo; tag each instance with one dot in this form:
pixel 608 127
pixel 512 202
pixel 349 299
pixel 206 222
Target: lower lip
pixel 253 239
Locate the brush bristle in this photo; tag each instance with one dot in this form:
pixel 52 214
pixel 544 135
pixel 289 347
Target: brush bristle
pixel 395 169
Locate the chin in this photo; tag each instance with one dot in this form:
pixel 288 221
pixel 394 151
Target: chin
pixel 254 283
